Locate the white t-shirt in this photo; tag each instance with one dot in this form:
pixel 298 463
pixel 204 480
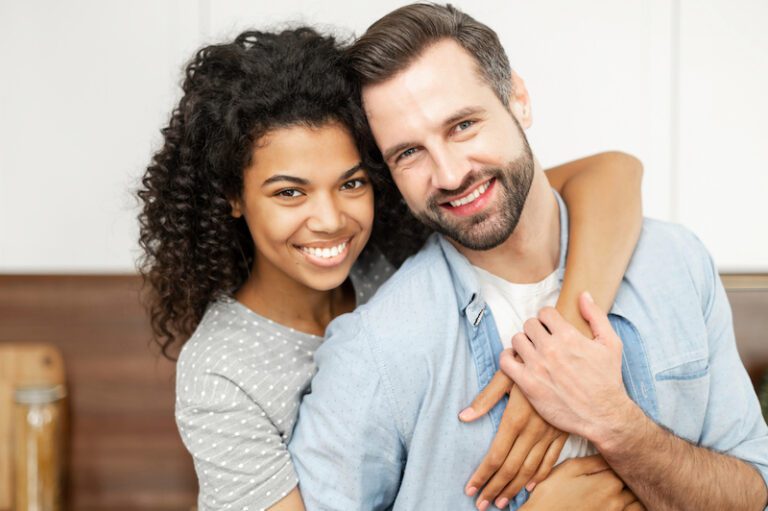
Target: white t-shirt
pixel 512 304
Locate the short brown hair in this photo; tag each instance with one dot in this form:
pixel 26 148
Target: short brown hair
pixel 394 41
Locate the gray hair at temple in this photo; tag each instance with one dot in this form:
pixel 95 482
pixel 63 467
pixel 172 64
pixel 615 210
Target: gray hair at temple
pixel 397 39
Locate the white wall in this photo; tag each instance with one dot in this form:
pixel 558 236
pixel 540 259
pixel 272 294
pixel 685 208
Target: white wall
pixel 86 85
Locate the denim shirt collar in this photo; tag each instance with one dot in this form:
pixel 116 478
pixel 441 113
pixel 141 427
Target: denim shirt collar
pixel 465 284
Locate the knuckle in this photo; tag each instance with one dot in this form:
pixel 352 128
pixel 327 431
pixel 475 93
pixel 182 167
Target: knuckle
pixel 571 335
pixel 506 473
pixel 494 461
pixel 518 422
pixel 529 468
pixel 546 313
pixel 549 350
pixel 530 324
pixel 540 372
pixel 519 338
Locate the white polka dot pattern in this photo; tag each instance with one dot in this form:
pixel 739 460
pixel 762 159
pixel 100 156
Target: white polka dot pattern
pixel 240 379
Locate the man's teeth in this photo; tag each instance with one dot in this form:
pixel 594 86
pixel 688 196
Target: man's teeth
pixel 325 253
pixel 471 197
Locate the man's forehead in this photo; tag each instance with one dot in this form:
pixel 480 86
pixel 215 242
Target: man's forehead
pixel 443 73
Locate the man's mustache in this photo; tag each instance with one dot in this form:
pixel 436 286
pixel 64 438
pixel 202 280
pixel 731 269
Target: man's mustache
pixel 441 196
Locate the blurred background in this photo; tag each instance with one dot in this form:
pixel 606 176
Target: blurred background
pixel 85 87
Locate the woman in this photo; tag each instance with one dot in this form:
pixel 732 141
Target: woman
pixel 257 214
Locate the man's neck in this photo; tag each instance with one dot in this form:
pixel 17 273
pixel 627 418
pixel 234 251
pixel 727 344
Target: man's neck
pixel 533 250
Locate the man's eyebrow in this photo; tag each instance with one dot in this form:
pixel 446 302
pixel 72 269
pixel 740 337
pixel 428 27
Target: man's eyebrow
pixel 394 150
pixel 284 177
pixel 461 114
pixel 304 182
pixel 450 121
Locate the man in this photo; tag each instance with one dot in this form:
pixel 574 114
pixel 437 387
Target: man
pixel 379 431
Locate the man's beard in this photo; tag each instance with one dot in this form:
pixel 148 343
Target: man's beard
pixel 486 229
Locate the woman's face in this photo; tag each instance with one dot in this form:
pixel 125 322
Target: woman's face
pixel 308 204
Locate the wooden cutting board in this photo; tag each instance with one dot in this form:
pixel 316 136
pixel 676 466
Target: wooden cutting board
pixel 21 365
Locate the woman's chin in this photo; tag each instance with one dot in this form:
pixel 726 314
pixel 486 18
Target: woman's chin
pixel 326 282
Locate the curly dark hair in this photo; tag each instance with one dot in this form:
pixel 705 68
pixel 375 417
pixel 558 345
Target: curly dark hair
pixel 195 251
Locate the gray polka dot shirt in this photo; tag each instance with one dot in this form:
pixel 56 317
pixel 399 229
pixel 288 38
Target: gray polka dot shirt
pixel 240 379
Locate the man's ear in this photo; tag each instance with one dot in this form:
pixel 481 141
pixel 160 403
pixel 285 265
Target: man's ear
pixel 520 102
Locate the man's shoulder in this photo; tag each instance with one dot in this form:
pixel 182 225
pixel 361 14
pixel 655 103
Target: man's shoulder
pixel 404 305
pixel 670 265
pixel 670 249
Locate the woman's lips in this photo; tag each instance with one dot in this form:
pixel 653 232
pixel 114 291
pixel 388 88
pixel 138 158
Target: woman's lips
pixel 326 254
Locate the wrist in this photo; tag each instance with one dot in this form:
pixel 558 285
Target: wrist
pixel 617 431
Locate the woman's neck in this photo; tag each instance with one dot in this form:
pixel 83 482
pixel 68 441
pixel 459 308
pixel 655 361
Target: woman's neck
pixel 275 295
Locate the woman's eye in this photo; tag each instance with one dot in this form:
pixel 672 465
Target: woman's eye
pixel 353 183
pixel 289 193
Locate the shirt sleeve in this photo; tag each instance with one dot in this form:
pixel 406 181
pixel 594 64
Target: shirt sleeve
pixel 734 423
pixel 346 446
pixel 241 460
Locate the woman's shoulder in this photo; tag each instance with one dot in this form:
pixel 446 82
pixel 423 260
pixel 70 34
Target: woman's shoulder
pixel 231 335
pixel 216 331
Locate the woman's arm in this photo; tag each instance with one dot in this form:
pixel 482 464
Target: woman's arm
pixel 582 484
pixel 603 196
pixel 602 193
pixel 291 502
pixel 240 456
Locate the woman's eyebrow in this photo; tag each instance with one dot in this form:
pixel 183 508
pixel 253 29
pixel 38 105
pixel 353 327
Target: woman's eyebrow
pixel 351 172
pixel 284 177
pixel 304 182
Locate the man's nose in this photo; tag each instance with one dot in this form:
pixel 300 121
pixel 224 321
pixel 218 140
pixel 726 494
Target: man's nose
pixel 449 169
pixel 326 215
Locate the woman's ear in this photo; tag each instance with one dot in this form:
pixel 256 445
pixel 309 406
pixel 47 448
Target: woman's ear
pixel 520 102
pixel 237 209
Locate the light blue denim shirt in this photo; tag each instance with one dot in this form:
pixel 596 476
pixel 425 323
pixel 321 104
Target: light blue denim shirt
pixel 379 429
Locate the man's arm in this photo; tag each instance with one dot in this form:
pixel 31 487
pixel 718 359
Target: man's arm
pixel 671 473
pixel 576 385
pixel 667 472
pixel 346 447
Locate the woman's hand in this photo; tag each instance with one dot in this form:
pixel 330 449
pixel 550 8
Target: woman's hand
pixel 522 453
pixel 582 484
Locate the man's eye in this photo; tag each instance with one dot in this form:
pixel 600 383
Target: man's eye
pixel 289 193
pixel 463 125
pixel 354 183
pixel 407 153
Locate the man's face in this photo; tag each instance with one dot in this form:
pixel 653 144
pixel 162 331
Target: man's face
pixel 455 151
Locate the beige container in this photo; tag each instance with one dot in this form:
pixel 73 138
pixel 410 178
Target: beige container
pixel 38 447
pixel 23 365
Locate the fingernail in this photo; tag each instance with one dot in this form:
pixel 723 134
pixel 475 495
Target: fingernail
pixel 502 502
pixel 471 491
pixel 483 505
pixel 589 297
pixel 466 414
pixel 530 486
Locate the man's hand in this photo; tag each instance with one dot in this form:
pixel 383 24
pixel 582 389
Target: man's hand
pixel 522 453
pixel 573 382
pixel 582 484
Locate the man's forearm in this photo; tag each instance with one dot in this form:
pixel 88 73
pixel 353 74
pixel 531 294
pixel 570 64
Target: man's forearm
pixel 669 473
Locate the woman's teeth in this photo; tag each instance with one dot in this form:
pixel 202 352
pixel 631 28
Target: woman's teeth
pixel 472 196
pixel 325 253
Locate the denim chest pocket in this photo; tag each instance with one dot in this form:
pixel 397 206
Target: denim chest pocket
pixel 691 370
pixel 683 392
